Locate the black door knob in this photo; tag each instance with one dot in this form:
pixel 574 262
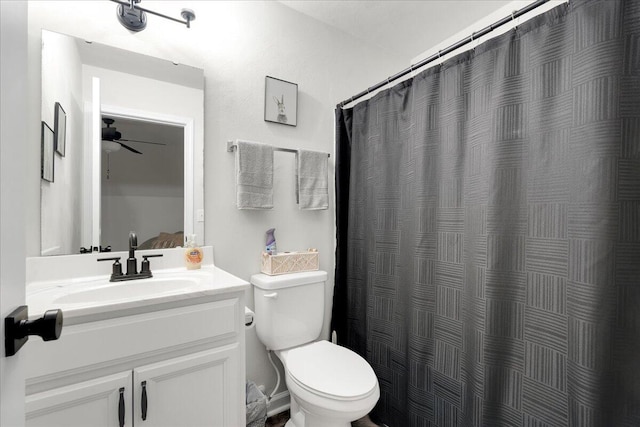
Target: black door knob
pixel 48 326
pixel 17 328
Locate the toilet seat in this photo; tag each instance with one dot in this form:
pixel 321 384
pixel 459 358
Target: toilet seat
pixel 332 371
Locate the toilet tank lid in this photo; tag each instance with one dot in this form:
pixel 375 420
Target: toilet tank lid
pixel 264 281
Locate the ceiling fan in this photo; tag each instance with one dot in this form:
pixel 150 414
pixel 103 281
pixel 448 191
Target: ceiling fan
pixel 112 139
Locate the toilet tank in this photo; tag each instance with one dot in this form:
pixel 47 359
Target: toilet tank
pixel 289 308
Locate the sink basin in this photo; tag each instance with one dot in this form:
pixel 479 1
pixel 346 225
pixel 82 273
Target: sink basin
pixel 128 290
pixel 82 297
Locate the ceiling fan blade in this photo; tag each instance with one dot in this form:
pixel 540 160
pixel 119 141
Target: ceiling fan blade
pixel 144 142
pixel 128 148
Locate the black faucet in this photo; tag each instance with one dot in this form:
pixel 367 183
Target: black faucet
pixel 132 263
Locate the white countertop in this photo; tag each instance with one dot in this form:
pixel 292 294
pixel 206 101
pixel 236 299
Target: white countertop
pixel 94 295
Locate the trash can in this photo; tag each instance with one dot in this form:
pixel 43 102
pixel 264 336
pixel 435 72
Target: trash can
pixel 256 406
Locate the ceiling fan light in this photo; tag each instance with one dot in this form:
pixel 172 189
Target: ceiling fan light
pixel 110 146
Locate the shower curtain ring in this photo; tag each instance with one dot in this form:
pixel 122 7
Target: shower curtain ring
pixel 513 18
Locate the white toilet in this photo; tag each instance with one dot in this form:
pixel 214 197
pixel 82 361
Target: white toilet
pixel 330 385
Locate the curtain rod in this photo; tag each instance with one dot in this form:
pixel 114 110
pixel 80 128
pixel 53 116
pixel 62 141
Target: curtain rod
pixel 457 45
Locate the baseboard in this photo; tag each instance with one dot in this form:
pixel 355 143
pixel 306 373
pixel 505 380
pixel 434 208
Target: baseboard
pixel 279 403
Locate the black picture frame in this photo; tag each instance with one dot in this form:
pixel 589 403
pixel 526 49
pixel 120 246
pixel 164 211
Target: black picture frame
pixel 280 101
pixel 60 129
pixel 47 150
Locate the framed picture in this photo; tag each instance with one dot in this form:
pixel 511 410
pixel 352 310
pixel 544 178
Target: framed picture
pixel 46 153
pixel 280 101
pixel 60 129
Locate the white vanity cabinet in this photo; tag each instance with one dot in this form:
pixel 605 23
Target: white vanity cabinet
pixel 98 402
pixel 176 364
pixel 188 391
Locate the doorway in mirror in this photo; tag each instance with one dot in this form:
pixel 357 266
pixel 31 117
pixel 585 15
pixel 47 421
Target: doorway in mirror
pixel 141 175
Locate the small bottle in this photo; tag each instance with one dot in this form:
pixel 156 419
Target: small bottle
pixel 271 242
pixel 192 254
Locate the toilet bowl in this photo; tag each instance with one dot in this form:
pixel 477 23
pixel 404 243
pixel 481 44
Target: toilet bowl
pixel 329 385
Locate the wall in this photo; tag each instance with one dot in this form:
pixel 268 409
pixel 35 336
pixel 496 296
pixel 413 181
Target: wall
pixel 62 199
pixel 237 44
pixel 485 22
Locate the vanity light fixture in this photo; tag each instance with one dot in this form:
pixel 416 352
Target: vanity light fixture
pixel 133 17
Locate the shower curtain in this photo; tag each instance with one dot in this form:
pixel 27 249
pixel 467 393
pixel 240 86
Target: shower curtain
pixel 488 229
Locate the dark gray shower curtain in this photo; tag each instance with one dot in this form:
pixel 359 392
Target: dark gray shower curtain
pixel 488 217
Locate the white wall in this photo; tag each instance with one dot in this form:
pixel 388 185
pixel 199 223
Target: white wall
pixel 238 44
pixel 485 22
pixel 61 200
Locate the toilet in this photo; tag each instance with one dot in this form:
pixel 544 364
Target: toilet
pixel 329 385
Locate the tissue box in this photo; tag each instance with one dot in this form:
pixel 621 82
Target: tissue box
pixel 289 262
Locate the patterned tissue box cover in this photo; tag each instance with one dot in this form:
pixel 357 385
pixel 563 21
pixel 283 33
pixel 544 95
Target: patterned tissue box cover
pixel 289 262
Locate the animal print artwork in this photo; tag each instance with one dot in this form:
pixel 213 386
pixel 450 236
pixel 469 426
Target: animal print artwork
pixel 282 116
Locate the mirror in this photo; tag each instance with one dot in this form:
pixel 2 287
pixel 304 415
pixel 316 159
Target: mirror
pixel 142 174
pixel 102 189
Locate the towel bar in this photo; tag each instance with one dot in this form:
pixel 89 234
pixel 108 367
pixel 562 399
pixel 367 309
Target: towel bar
pixel 231 146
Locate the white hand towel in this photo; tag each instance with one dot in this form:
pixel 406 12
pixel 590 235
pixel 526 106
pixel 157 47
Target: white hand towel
pixel 254 175
pixel 312 181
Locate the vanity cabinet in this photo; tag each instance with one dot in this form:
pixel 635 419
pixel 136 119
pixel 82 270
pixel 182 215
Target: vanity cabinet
pixel 88 403
pixel 188 391
pixel 165 366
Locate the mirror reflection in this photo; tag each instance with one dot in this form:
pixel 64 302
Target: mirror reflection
pixel 134 148
pixel 142 174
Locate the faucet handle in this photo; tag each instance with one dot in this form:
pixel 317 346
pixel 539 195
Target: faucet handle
pixel 115 258
pixel 116 269
pixel 146 265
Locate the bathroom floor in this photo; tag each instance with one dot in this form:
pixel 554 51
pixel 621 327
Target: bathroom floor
pixel 280 420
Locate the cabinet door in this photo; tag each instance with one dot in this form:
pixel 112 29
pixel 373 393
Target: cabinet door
pixel 201 389
pixel 103 402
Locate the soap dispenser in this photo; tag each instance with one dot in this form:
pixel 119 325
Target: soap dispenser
pixel 193 254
